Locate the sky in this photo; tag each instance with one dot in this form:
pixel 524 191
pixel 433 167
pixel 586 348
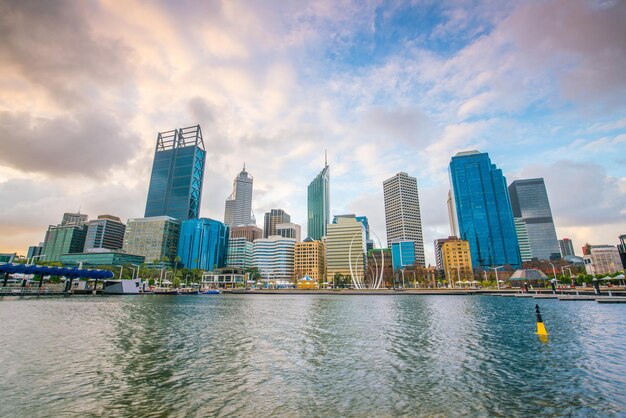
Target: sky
pixel 384 86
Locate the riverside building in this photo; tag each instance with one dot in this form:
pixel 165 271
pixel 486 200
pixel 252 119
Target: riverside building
pixel 530 203
pixel 63 239
pixel 345 243
pixel 239 254
pixel 318 204
pixel 177 174
pixel 457 261
pixel 602 259
pixel 310 260
pixel 403 254
pixel 274 257
pixel 155 238
pixel 238 209
pixel 483 210
pixel 203 244
pixel 402 213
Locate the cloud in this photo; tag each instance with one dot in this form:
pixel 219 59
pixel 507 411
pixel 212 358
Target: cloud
pixel 88 144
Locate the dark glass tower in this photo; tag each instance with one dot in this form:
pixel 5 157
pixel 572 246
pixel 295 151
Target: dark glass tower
pixel 177 174
pixel 529 200
pixel 318 204
pixel 483 209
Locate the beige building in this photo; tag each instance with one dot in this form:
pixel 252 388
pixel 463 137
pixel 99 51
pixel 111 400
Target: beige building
pixel 457 261
pixel 602 259
pixel 155 238
pixel 339 236
pixel 310 260
pixel 249 232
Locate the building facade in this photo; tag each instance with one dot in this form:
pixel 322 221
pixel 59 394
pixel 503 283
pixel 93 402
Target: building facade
pixel 239 254
pixel 273 218
pixel 202 244
pixel 310 260
pixel 379 259
pixel 289 230
pixel 402 212
pixel 74 219
pixel 602 259
pixel 274 257
pixel 522 239
pixel 238 209
pixel 529 201
pixel 177 174
pixel 483 209
pixel 318 204
pixel 622 249
pixel 249 232
pixel 155 238
pixel 105 232
pixel 403 254
pixel 63 240
pixel 454 228
pixel 567 247
pixel 457 261
pixel 103 258
pixel 438 256
pixel 345 243
pixel 34 251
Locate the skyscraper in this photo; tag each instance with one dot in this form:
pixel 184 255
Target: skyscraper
pixel 105 232
pixel 345 244
pixel 238 209
pixel 155 238
pixel 522 239
pixel 63 239
pixel 203 244
pixel 567 247
pixel 70 219
pixel 402 213
pixel 177 174
pixel 318 202
pixel 529 201
pixel 273 218
pixel 483 209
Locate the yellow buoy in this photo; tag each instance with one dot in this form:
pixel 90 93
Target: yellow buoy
pixel 541 328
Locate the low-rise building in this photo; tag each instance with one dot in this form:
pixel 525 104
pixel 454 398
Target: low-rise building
pixel 239 253
pixel 345 244
pixel 274 257
pixel 203 244
pixel 102 258
pixel 602 259
pixel 63 240
pixel 457 260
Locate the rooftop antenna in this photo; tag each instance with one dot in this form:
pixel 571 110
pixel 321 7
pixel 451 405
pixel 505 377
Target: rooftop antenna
pixel 244 166
pixel 325 158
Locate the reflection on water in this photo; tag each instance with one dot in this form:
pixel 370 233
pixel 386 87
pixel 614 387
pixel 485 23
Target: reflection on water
pixel 322 355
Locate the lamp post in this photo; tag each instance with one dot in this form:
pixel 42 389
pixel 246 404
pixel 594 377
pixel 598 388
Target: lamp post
pixel 121 269
pixel 80 264
pixel 402 270
pixel 496 270
pixel 138 266
pixel 133 276
pixel 161 277
pixel 570 272
pixel 458 273
pixel 415 279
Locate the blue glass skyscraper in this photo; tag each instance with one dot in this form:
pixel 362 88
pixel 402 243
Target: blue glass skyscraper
pixel 403 254
pixel 318 203
pixel 203 244
pixel 177 174
pixel 483 209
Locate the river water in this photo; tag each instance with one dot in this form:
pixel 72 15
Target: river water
pixel 309 355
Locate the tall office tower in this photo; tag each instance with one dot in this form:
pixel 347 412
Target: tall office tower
pixel 529 200
pixel 567 247
pixel 318 204
pixel 70 219
pixel 238 209
pixel 483 209
pixel 239 254
pixel 155 238
pixel 454 228
pixel 105 232
pixel 522 239
pixel 273 218
pixel 177 174
pixel 274 257
pixel 310 259
pixel 202 244
pixel 63 239
pixel 345 241
pixel 402 213
pixel 621 248
pixel 249 232
pixel 289 230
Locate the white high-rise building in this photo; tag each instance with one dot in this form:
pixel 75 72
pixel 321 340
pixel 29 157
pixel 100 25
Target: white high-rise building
pixel 402 212
pixel 289 230
pixel 274 257
pixel 345 244
pixel 239 204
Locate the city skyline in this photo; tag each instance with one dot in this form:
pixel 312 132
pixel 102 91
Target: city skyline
pixel 385 88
